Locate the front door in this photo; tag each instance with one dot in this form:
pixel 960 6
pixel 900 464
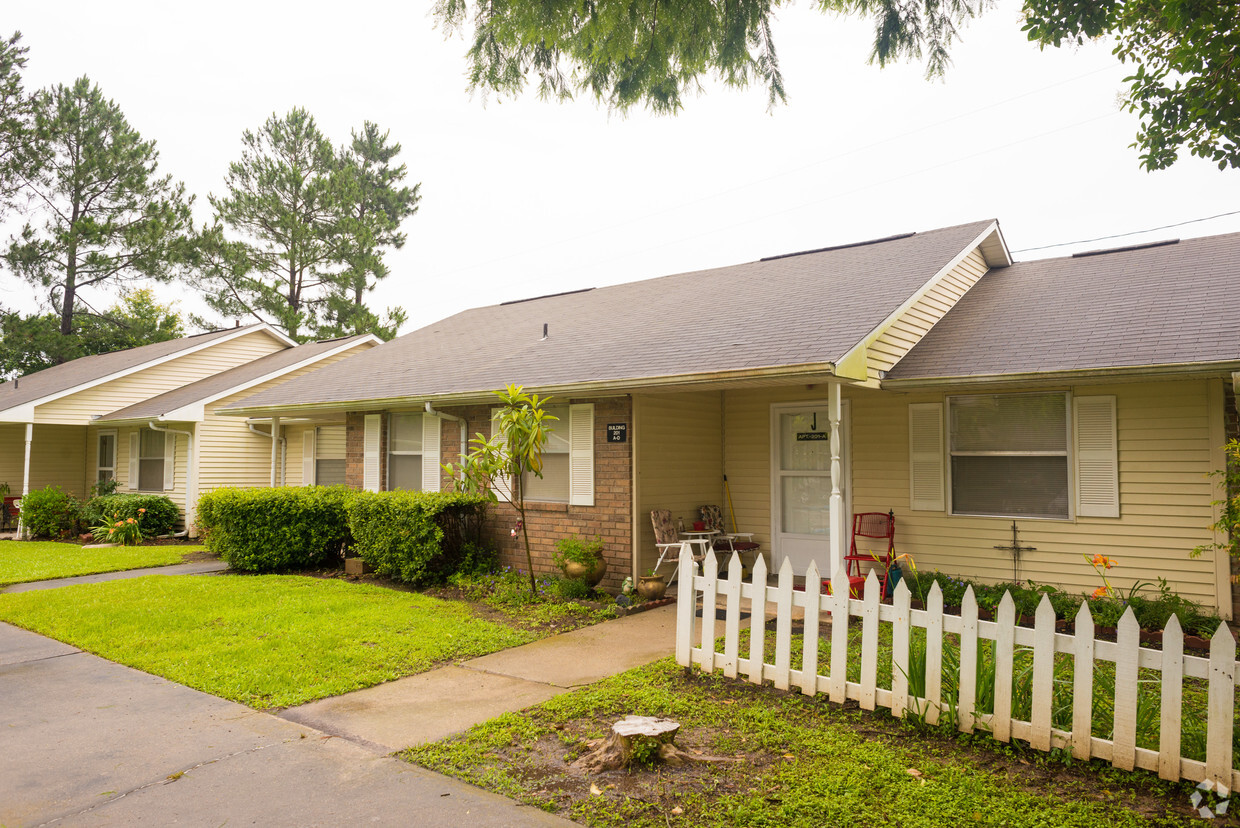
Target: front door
pixel 801 488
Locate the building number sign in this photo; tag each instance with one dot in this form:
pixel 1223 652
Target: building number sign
pixel 617 432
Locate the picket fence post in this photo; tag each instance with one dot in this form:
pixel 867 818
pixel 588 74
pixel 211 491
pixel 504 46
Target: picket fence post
pixel 901 603
pixel 710 586
pixel 1005 640
pixel 1083 684
pixel 757 622
pixel 839 636
pixel 1124 734
pixel 783 627
pixel 934 655
pixel 1172 698
pixel 809 652
pixel 1043 674
pixel 869 642
pixel 1219 707
pixel 686 604
pixel 966 698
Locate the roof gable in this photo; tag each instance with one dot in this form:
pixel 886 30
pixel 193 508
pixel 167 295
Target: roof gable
pixel 1152 305
pixel 19 397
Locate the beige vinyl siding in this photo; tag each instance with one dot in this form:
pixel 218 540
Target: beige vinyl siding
pixel 180 466
pixel 906 331
pixel 57 456
pixel 1164 457
pixel 158 379
pixel 232 455
pixel 677 455
pixel 1165 439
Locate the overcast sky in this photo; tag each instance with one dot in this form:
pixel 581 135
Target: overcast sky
pixel 523 198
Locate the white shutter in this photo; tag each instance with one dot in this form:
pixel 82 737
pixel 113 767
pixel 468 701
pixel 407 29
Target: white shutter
pixel 1097 457
pixel 925 463
pixel 431 473
pixel 370 453
pixel 581 454
pixel 307 458
pixel 135 446
pixel 170 461
pixel 503 486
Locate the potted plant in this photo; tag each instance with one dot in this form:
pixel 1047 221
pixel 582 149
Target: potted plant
pixel 581 559
pixel 651 586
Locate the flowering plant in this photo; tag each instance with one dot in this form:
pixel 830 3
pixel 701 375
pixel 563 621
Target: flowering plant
pixel 1101 563
pixel 125 531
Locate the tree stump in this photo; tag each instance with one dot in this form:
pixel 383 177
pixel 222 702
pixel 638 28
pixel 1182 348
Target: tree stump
pixel 637 740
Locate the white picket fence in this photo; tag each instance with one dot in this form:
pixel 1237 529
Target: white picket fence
pixel 699 646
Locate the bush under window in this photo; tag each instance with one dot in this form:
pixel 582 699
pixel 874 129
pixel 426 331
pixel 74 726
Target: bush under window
pixel 156 514
pixel 415 537
pixel 50 512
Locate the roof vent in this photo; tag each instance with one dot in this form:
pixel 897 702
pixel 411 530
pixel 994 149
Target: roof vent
pixel 839 247
pixel 1162 243
pixel 544 336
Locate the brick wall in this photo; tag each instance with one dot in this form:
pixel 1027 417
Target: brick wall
pixel 609 517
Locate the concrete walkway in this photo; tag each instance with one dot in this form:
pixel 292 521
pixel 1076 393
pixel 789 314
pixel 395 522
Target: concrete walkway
pixel 430 706
pixel 89 742
pixel 199 568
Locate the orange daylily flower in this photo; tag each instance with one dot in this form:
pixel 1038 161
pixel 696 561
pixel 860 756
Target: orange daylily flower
pixel 1100 592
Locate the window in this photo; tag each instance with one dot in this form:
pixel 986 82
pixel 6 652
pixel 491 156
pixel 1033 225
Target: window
pixel 1009 455
pixel 329 453
pixel 553 487
pixel 106 454
pixel 405 452
pixel 568 459
pixel 151 445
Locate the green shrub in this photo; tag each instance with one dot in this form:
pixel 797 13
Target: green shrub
pixel 156 514
pixel 270 530
pixel 415 537
pixel 50 513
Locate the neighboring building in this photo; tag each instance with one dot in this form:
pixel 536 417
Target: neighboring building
pixel 140 416
pixel 1085 398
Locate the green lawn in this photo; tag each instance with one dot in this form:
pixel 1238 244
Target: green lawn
pixel 265 641
pixel 803 762
pixel 22 561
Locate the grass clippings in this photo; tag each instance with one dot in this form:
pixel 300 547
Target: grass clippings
pixel 265 641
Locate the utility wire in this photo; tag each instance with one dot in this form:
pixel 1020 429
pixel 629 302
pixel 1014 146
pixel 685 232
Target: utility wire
pixel 1132 233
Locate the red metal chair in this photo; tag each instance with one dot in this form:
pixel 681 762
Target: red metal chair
pixel 873 526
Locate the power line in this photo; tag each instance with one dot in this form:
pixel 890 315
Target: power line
pixel 1132 233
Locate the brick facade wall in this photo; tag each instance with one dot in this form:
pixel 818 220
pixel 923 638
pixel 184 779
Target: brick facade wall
pixel 610 517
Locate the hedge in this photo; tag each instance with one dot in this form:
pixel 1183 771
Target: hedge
pixel 415 537
pixel 159 518
pixel 269 530
pixel 50 512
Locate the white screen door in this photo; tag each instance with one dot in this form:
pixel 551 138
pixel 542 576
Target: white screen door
pixel 801 484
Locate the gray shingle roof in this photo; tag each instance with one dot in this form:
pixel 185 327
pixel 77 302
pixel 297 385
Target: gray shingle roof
pixel 69 375
pixel 794 310
pixel 220 383
pixel 1158 305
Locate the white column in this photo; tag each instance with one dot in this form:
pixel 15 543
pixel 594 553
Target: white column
pixel 21 530
pixel 838 523
pixel 275 448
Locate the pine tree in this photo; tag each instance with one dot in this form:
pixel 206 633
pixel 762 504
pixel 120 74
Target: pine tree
pixel 106 219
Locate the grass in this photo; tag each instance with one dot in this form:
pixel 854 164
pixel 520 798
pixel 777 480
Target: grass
pixel 22 561
pixel 266 641
pixel 804 762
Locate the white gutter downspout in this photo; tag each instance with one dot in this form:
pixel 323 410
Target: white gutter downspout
pixel 432 412
pixel 275 448
pixel 21 530
pixel 271 437
pixel 191 483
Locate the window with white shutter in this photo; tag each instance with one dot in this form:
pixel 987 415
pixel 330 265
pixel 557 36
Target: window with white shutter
pixel 307 458
pixel 581 455
pixel 370 452
pixel 135 459
pixel 925 432
pixel 503 486
pixel 431 473
pixel 1009 455
pixel 1097 456
pixel 170 461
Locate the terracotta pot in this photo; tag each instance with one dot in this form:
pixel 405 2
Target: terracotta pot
pixel 590 574
pixel 651 587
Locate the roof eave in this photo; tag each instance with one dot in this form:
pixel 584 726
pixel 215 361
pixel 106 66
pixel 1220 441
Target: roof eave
pixel 1182 369
pixel 575 389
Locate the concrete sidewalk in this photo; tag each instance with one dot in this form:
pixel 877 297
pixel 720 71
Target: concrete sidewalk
pixel 200 568
pixel 436 704
pixel 89 742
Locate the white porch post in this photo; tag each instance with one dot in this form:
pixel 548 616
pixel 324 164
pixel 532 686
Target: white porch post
pixel 275 448
pixel 21 530
pixel 834 413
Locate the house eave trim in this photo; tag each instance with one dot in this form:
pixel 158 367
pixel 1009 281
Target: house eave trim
pixel 1169 370
pixel 579 389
